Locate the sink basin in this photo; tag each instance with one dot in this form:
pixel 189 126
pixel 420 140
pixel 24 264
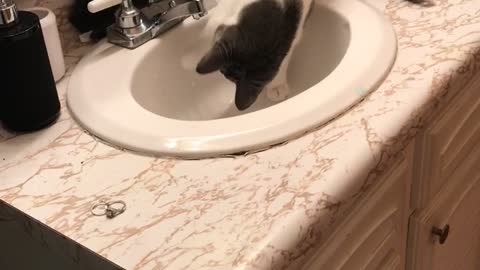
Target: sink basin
pixel 151 99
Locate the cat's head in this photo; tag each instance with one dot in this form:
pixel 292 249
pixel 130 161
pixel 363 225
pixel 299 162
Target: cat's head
pixel 241 60
pixel 251 52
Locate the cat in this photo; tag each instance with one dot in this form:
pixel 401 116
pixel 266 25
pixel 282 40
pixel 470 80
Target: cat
pixel 253 43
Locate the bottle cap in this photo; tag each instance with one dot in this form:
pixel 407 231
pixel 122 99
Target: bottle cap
pixel 8 12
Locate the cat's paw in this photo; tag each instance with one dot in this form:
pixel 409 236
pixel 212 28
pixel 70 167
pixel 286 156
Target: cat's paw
pixel 278 93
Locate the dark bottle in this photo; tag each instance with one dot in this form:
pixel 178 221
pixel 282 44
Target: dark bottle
pixel 28 94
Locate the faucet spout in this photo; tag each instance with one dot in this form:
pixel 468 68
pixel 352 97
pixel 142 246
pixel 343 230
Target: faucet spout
pixel 134 28
pixel 183 9
pixel 178 11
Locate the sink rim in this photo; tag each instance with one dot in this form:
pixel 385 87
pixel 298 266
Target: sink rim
pixel 211 138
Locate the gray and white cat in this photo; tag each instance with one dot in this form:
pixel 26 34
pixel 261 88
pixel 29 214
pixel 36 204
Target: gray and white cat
pixel 253 43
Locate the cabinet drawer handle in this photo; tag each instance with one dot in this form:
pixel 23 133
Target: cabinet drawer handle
pixel 441 233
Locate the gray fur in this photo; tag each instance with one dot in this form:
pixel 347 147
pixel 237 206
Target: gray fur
pixel 251 52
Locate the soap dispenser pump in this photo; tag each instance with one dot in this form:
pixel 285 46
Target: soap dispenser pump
pixel 28 94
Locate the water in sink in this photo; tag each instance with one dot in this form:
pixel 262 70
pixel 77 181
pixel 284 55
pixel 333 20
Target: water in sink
pixel 183 94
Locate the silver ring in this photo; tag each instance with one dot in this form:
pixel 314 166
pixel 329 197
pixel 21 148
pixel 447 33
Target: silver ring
pixel 122 204
pixel 99 209
pixel 109 209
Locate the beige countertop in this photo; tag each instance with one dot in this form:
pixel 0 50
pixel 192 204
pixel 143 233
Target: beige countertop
pixel 262 211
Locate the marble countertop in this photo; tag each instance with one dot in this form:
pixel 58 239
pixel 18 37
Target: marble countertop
pixel 262 211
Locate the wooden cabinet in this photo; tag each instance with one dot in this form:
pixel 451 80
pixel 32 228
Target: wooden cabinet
pixel 435 186
pixel 445 143
pixel 448 189
pixel 375 236
pixel 458 206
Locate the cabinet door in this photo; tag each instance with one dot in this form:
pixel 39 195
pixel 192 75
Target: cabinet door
pixel 456 205
pixel 446 143
pixel 374 236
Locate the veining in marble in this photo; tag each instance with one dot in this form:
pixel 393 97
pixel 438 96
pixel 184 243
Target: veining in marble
pixel 263 211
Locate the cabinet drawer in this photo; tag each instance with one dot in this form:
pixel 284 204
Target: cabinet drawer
pixel 373 237
pixel 447 142
pixel 458 205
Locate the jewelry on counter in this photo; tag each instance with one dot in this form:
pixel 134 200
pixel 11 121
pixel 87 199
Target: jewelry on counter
pixel 109 209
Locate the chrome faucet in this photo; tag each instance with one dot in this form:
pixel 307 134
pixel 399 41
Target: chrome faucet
pixel 134 27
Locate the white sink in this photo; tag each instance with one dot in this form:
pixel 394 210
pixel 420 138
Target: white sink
pixel 151 99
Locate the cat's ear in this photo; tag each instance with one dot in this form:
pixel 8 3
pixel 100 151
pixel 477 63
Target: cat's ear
pixel 212 61
pixel 246 94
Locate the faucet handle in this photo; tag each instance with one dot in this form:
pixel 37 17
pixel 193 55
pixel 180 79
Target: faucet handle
pixel 99 5
pixel 127 17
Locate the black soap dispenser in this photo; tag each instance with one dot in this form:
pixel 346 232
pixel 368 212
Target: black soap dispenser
pixel 28 94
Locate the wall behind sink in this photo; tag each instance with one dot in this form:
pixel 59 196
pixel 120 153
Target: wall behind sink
pixel 70 36
pixel 61 8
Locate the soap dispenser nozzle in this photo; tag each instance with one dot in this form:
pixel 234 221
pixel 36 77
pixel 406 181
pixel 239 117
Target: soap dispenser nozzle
pixel 8 12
